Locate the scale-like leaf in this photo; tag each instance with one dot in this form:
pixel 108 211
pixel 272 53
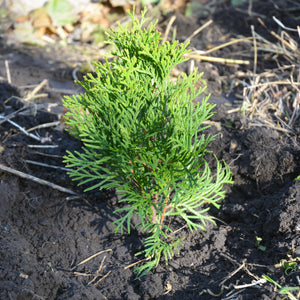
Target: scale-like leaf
pixel 143 136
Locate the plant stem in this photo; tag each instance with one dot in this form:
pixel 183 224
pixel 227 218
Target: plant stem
pixel 166 206
pixel 155 200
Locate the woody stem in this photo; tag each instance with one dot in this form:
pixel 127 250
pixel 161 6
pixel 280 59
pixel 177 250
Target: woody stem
pixel 166 206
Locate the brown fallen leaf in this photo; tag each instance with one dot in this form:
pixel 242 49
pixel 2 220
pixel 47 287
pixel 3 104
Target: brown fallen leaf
pixel 40 18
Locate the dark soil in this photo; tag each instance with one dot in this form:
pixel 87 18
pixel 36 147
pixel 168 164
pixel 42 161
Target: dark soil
pixel 46 233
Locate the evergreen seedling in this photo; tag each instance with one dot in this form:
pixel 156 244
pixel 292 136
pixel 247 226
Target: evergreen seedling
pixel 142 135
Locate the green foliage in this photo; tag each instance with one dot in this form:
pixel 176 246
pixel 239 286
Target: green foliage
pixel 283 290
pixel 141 135
pixel 258 241
pixel 289 266
pixel 61 12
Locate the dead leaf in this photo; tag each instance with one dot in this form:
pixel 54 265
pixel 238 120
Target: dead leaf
pixel 21 19
pixel 69 28
pixel 118 3
pixel 24 33
pixel 95 13
pixel 40 18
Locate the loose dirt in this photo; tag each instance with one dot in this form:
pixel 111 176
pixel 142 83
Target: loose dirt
pixel 46 235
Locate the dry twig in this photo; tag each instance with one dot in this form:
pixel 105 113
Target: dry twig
pixel 91 257
pixel 36 179
pixel 7 72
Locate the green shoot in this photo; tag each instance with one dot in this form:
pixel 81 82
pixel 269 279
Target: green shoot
pixel 258 241
pixel 297 178
pixel 283 290
pixel 289 266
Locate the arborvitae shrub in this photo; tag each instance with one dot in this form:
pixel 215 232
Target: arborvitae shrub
pixel 142 135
